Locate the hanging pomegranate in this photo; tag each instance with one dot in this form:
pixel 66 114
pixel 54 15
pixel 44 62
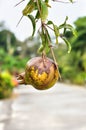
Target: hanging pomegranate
pixel 40 72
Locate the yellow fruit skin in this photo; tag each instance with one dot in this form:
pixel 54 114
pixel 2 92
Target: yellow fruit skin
pixel 41 73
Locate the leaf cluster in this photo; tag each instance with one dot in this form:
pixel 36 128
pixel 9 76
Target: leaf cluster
pixel 40 7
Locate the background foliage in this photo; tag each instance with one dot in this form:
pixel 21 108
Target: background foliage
pixel 73 65
pixel 14 54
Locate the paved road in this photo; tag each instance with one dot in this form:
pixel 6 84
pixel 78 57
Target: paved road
pixel 59 108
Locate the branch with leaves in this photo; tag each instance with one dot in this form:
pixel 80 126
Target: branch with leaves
pixel 41 13
pixel 40 7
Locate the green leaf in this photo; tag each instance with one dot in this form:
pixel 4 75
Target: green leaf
pixel 47 48
pixel 37 16
pixel 44 47
pixel 68 26
pixel 47 41
pixel 41 48
pixel 46 1
pixel 30 7
pixel 33 23
pixel 67 43
pixel 44 11
pixel 55 29
pixel 48 36
pixel 72 29
pixel 65 24
pixel 45 38
pixel 49 22
pixel 42 36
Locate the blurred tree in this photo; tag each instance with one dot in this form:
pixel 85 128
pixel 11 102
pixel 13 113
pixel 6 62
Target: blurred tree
pixel 79 43
pixel 2 25
pixel 7 40
pixel 75 63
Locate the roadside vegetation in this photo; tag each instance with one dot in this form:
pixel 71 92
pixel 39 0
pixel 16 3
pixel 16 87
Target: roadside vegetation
pixel 14 54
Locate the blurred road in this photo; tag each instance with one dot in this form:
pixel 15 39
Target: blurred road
pixel 59 108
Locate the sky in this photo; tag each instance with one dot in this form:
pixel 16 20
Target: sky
pixel 11 15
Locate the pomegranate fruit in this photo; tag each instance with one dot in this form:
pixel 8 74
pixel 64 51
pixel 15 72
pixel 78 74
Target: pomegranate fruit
pixel 40 72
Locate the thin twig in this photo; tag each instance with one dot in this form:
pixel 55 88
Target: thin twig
pixel 38 7
pixel 19 20
pixel 52 52
pixel 19 3
pixel 62 1
pixel 49 27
